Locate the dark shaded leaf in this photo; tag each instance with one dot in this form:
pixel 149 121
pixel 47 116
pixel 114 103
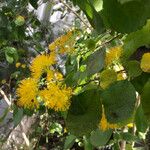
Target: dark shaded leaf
pixel 99 138
pixel 95 62
pixel 17 115
pixel 145 100
pixel 85 113
pixel 119 102
pixel 69 142
pixel 140 120
pixel 34 3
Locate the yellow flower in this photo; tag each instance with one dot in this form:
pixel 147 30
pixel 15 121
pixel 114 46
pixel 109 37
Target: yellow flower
pixel 23 65
pixel 104 124
pixel 18 64
pixel 54 76
pixel 130 125
pixel 145 62
pixel 65 130
pixel 50 75
pixel 3 81
pixel 58 76
pixel 42 64
pixel 113 55
pixel 62 49
pixel 27 92
pixel 121 76
pixel 64 43
pixel 52 46
pixel 56 98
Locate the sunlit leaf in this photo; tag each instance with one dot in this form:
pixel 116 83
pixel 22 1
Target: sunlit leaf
pixel 127 17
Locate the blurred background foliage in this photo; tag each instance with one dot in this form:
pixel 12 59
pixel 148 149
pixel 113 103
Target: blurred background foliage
pixel 22 35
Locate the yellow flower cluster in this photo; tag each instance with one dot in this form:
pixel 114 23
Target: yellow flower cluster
pixel 42 64
pixel 64 43
pixel 56 98
pixel 145 62
pixel 27 93
pixel 18 64
pixel 54 94
pixel 113 55
pixel 104 124
pixel 54 75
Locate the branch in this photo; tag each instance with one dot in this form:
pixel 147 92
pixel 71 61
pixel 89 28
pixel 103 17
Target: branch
pixel 110 40
pixel 88 82
pixel 76 14
pixel 5 97
pixel 123 142
pixel 24 135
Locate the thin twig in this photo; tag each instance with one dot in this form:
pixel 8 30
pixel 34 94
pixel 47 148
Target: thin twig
pixel 24 135
pixel 35 42
pixel 5 97
pixel 138 101
pixel 107 42
pixel 92 80
pixel 123 142
pixel 76 14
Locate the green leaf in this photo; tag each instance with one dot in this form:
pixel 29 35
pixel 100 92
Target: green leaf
pixel 90 9
pixel 4 114
pixel 145 100
pixel 133 68
pixel 107 77
pixel 87 144
pixel 126 136
pixel 95 62
pixel 119 102
pixel 85 113
pixel 86 7
pixel 97 4
pixel 69 142
pixel 99 138
pixel 71 79
pixel 9 59
pixel 28 112
pixel 140 120
pixel 127 17
pixel 137 148
pixel 17 115
pixel 135 40
pixel 129 147
pixel 11 54
pixel 97 22
pixel 140 81
pixel 91 43
pixel 116 146
pixel 125 1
